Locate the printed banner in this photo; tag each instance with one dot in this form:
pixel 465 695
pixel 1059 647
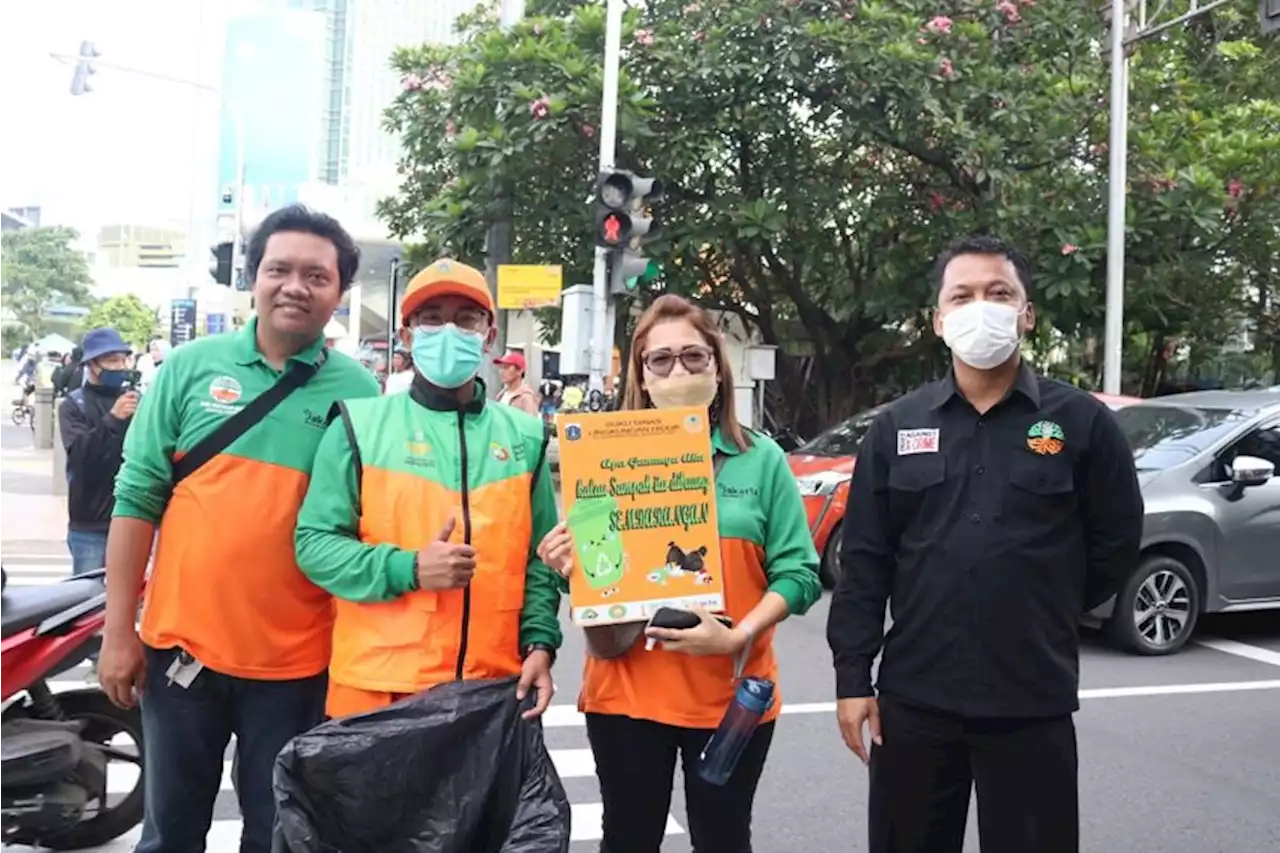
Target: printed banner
pixel 639 499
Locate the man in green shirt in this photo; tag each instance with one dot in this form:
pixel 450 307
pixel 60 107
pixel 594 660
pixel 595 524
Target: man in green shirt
pixel 234 639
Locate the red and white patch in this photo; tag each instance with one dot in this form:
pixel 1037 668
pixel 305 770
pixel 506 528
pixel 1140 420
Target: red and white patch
pixel 911 441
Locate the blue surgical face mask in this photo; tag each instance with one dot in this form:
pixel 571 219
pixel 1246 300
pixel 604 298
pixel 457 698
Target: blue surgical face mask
pixel 446 356
pixel 112 378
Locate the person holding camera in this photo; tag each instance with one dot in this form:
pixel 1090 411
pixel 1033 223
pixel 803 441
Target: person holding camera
pixel 92 420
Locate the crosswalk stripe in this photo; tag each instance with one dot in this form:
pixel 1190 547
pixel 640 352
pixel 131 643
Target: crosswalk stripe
pixel 570 764
pixel 224 835
pixel 36 574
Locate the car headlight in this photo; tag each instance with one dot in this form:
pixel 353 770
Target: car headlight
pixel 820 484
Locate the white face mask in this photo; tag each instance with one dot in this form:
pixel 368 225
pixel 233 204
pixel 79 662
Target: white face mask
pixel 982 334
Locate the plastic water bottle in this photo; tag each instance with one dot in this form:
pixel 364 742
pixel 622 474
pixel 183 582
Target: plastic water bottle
pixel 752 699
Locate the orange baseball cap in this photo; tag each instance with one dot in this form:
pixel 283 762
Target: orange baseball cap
pixel 445 277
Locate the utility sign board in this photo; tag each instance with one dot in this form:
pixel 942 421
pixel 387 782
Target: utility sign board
pixel 525 286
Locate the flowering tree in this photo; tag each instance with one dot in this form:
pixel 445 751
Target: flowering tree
pixel 818 153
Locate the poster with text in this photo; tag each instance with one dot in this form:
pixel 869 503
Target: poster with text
pixel 640 502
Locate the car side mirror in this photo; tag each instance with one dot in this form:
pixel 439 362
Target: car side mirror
pixel 1251 471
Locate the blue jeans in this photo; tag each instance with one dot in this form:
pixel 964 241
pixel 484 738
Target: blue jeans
pixel 186 732
pixel 88 550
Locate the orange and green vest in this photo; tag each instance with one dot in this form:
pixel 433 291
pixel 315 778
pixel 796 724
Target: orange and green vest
pixel 224 584
pixel 764 546
pixel 388 475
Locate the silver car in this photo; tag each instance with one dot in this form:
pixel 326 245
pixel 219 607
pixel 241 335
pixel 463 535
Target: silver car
pixel 1211 536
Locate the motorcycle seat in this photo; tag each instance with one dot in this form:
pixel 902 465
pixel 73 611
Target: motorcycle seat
pixel 23 607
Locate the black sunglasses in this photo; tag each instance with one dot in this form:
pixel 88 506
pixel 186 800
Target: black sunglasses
pixel 695 359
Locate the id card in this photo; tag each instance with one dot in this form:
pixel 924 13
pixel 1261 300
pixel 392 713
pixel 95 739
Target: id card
pixel 183 670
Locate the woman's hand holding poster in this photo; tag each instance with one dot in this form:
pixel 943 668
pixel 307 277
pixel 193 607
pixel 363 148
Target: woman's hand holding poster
pixel 640 502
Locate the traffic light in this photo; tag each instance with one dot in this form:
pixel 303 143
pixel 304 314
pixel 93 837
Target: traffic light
pixel 84 68
pixel 220 263
pixel 623 226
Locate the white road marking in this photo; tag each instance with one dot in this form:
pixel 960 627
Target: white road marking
pixel 1244 650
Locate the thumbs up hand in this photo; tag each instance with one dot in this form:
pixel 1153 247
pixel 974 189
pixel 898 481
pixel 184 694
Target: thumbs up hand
pixel 444 565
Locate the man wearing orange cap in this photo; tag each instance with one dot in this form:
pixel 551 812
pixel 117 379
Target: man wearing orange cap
pixel 423 516
pixel 511 369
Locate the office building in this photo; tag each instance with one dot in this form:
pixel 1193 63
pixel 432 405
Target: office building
pixel 129 246
pixel 17 218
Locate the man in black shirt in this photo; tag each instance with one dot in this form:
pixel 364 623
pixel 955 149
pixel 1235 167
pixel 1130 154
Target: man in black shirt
pixel 92 420
pixel 992 508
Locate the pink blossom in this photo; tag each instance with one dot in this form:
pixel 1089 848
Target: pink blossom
pixel 849 16
pixel 540 108
pixel 941 25
pixel 412 82
pixel 450 127
pixel 588 130
pixel 922 41
pixel 945 68
pixel 692 9
pixel 537 29
pixel 644 37
pixel 1010 10
pixel 700 36
pixel 1070 248
pixel 1235 188
pixel 936 201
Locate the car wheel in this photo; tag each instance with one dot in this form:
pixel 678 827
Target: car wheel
pixel 1156 611
pixel 829 569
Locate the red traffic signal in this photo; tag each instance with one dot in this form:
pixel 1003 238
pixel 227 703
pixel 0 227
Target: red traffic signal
pixel 613 229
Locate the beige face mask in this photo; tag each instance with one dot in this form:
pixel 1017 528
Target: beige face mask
pixel 687 389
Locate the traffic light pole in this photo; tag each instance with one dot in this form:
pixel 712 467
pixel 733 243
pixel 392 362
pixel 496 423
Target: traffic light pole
pixel 601 334
pixel 237 257
pixel 1131 21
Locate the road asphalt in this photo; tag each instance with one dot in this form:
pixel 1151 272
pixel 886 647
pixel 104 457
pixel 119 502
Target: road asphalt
pixel 1177 754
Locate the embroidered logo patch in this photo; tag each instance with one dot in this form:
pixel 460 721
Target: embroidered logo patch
pixel 498 452
pixel 1046 438
pixel 912 441
pixel 225 390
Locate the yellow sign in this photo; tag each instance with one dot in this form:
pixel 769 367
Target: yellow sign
pixel 640 502
pixel 524 286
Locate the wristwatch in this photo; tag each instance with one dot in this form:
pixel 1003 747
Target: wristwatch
pixel 538 647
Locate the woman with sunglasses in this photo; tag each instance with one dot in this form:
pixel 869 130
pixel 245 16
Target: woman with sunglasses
pixel 643 708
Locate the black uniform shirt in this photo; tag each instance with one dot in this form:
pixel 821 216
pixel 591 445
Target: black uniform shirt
pixel 991 535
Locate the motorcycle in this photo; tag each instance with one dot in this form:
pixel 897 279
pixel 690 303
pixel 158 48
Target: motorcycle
pixel 56 747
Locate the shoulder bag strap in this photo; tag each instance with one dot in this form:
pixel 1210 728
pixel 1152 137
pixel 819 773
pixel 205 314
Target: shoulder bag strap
pixel 298 374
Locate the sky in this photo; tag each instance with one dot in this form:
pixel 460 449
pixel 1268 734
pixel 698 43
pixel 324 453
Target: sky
pixel 132 150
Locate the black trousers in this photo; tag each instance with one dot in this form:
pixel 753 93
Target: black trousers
pixel 1024 770
pixel 636 763
pixel 186 732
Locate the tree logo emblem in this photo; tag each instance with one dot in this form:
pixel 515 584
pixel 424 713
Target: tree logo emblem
pixel 1046 438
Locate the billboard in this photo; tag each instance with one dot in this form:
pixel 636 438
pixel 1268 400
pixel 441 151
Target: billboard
pixel 273 93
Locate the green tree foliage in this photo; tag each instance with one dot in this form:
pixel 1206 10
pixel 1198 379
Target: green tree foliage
pixel 40 270
pixel 128 315
pixel 819 153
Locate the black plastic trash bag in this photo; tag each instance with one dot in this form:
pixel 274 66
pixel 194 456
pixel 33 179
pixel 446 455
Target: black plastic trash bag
pixel 451 770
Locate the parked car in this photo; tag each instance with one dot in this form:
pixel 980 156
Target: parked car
pixel 823 469
pixel 1211 534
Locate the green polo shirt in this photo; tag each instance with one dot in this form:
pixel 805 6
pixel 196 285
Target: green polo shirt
pixel 225 585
